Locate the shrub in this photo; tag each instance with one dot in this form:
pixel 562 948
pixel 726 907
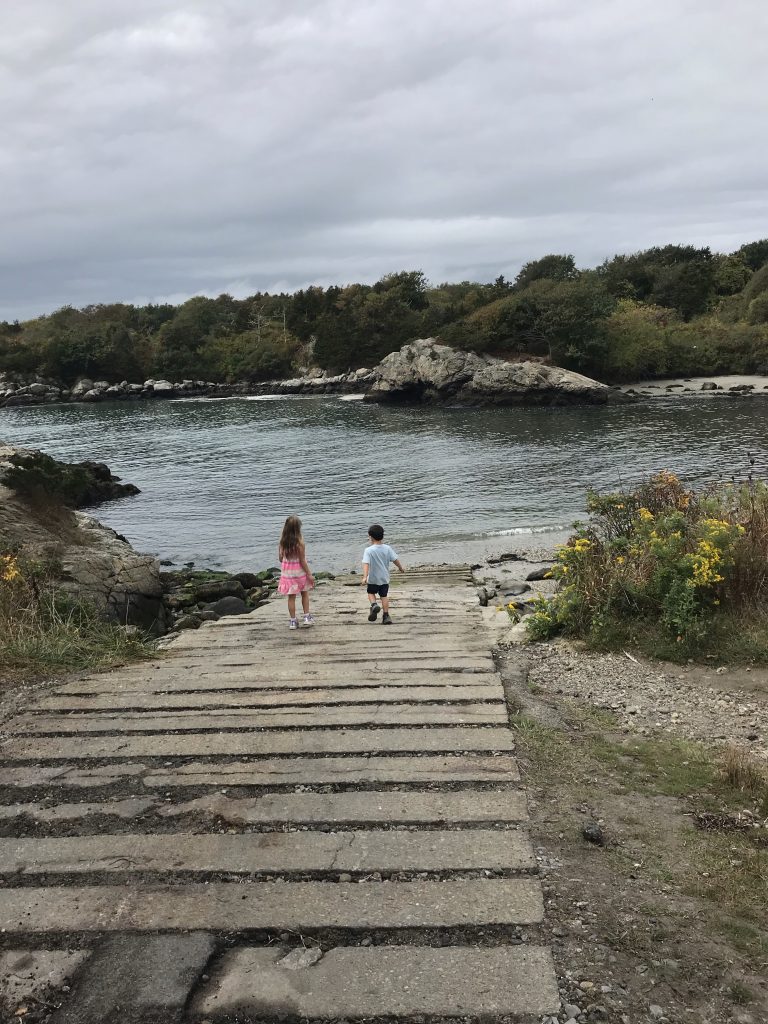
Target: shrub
pixel 663 556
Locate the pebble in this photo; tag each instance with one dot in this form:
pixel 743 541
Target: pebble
pixel 586 986
pixel 571 1010
pixel 656 1011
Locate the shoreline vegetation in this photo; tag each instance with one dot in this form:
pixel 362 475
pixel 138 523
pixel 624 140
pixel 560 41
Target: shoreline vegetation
pixel 666 570
pixel 674 311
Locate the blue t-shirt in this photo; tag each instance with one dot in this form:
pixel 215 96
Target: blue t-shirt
pixel 378 558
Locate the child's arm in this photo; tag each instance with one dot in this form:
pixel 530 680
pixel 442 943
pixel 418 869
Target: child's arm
pixel 399 564
pixel 366 570
pixel 304 566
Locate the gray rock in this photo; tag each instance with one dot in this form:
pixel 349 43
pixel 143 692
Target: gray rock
pixel 539 574
pixel 300 958
pixel 228 606
pixel 212 590
pixel 426 371
pixel 709 385
pixel 82 387
pixel 248 579
pixel 208 615
pixel 571 1009
pixel 593 833
pixel 192 620
pixel 515 589
pixel 656 1011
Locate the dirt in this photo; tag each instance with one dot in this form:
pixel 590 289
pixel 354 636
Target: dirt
pixel 650 925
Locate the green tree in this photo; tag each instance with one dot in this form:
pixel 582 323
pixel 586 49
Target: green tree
pixel 555 267
pixel 754 254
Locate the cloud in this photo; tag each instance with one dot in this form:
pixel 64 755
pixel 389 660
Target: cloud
pixel 156 147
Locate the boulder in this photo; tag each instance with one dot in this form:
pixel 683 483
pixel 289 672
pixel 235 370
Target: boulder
pixel 539 574
pixel 102 567
pixel 213 590
pixel 426 371
pixel 248 579
pixel 83 386
pixel 92 562
pixel 192 620
pixel 228 606
pixel 76 485
pixel 709 385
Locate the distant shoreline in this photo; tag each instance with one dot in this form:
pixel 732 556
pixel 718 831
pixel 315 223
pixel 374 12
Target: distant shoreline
pixel 730 385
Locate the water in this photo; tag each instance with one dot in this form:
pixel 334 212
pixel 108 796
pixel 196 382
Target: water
pixel 219 477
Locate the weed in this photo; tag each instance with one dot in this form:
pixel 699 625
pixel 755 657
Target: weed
pixel 678 567
pixel 740 994
pixel 43 631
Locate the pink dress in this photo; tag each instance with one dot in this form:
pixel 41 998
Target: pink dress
pixel 293 579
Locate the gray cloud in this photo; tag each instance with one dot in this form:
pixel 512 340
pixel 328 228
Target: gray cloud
pixel 156 149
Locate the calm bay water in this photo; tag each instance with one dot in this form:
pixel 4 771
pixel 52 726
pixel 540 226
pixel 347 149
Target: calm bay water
pixel 219 477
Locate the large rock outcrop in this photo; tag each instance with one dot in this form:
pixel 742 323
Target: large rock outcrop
pixel 426 371
pixel 88 560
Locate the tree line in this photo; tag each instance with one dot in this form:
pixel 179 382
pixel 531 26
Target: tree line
pixel 669 310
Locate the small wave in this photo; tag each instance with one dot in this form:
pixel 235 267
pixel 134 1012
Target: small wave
pixel 515 530
pixel 351 398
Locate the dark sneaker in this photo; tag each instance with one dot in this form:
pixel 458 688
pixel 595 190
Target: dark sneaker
pixel 385 619
pixel 374 612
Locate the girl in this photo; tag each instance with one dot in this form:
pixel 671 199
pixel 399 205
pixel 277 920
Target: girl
pixel 295 576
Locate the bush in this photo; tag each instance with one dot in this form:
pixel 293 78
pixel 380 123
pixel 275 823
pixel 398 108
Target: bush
pixel 666 560
pixel 43 631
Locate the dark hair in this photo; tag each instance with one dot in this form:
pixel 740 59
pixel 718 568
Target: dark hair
pixel 376 532
pixel 291 540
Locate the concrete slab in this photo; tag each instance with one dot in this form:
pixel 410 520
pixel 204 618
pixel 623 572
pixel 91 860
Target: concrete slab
pixel 385 808
pixel 171 680
pixel 292 906
pixel 315 741
pixel 382 981
pixel 224 698
pixel 274 772
pixel 125 809
pixel 27 977
pixel 138 979
pixel 86 722
pixel 281 853
pixel 32 776
pixel 318 771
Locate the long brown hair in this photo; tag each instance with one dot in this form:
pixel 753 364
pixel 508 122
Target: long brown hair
pixel 291 540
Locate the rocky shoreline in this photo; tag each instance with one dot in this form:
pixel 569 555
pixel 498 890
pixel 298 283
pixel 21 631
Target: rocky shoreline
pixel 41 519
pixel 423 371
pixel 39 391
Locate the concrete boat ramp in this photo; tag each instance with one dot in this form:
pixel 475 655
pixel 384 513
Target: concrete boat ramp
pixel 261 824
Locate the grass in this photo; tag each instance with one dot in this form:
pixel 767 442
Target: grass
pixel 43 633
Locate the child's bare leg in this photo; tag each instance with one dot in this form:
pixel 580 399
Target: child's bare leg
pixel 305 601
pixel 385 604
pixel 292 605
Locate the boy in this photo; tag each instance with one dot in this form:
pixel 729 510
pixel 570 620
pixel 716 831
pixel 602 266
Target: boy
pixel 376 560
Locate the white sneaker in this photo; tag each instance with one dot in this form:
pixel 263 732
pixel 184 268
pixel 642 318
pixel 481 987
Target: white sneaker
pixel 308 620
pixel 293 624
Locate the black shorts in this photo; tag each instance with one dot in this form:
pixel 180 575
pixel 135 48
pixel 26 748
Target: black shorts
pixel 382 589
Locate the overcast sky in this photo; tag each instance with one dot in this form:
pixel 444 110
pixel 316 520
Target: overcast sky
pixel 156 149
